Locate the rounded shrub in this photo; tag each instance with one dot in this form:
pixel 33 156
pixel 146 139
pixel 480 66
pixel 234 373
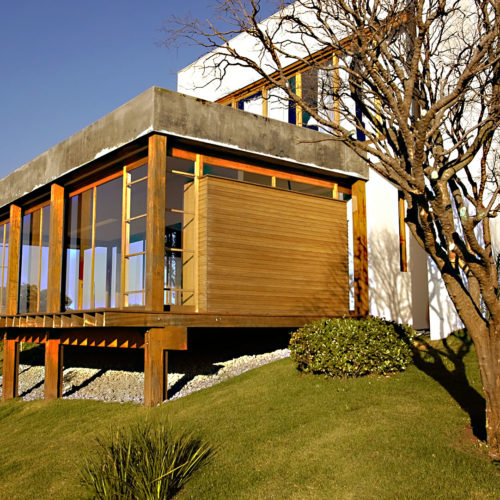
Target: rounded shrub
pixel 347 347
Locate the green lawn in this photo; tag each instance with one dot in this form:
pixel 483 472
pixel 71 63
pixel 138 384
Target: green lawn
pixel 279 435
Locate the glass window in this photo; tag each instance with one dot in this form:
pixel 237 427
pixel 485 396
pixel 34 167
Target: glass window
pixel 107 244
pixel 300 187
pixel 239 175
pixel 93 247
pixel 4 260
pixel 34 261
pixel 310 89
pixel 135 218
pixel 253 103
pixel 179 233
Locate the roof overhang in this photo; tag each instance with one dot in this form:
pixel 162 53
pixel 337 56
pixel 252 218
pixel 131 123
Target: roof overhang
pixel 167 112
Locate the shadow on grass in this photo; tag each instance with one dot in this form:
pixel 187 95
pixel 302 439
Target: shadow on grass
pixel 445 364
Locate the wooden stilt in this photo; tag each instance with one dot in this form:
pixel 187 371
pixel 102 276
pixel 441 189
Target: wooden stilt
pixel 53 368
pixel 157 343
pixel 10 369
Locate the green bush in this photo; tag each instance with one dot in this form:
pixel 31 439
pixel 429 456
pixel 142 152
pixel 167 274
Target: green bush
pixel 144 462
pixel 346 347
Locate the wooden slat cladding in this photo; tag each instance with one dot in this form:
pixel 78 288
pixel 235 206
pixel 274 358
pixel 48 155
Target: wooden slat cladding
pixel 267 251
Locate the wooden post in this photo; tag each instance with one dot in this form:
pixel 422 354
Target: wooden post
pixel 361 297
pixel 298 91
pixel 157 343
pixel 53 368
pixel 56 237
pixel 155 232
pixel 10 369
pixel 265 101
pixel 403 251
pixel 14 260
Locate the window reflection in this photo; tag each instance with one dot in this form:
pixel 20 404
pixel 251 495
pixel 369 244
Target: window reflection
pixel 179 233
pixel 93 247
pixel 34 261
pixel 4 260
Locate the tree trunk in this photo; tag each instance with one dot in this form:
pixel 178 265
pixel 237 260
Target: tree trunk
pixel 487 344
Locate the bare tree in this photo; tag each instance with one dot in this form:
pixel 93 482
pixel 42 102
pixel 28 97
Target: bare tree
pixel 419 83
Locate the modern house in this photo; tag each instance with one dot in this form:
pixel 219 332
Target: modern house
pixel 172 213
pixel 405 285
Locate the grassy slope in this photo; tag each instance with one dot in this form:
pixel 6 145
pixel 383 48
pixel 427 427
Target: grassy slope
pixel 278 435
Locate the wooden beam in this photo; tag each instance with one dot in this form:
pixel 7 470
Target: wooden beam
pixel 361 297
pixel 155 368
pixel 155 232
pixel 14 260
pixel 403 241
pixel 56 238
pixel 53 368
pixel 10 369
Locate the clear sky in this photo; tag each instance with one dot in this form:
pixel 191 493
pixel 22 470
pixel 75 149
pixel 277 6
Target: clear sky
pixel 66 63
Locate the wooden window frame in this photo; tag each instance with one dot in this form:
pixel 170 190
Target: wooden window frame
pixel 197 160
pixel 121 172
pixel 5 228
pixel 29 211
pixel 273 174
pixel 126 220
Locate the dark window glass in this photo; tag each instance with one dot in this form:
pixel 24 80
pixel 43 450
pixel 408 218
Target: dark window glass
pixel 300 187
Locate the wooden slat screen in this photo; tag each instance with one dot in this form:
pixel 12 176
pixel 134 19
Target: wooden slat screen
pixel 268 251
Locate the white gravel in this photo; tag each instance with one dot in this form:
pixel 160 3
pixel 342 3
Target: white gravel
pixel 127 386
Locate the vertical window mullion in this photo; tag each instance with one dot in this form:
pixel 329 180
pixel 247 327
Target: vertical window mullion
pixel 125 234
pixel 2 291
pixel 92 265
pixel 39 280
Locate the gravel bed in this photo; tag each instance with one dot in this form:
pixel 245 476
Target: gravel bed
pixel 127 386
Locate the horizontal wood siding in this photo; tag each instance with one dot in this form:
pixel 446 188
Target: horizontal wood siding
pixel 267 251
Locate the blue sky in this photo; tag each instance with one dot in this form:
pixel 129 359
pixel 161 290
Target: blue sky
pixel 66 63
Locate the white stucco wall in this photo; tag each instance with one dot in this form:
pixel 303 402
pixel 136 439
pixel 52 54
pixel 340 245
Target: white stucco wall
pixel 390 289
pixel 200 79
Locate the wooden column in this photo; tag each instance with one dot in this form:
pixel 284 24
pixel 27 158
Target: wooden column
pixel 56 237
pixel 155 232
pixel 157 343
pixel 361 298
pixel 53 368
pixel 14 260
pixel 10 369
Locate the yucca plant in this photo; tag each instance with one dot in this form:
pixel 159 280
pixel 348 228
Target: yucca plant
pixel 147 461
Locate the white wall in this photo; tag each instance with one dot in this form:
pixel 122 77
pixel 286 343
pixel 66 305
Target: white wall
pixel 390 289
pixel 201 78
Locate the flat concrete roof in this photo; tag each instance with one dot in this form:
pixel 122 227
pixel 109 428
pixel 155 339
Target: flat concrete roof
pixel 168 112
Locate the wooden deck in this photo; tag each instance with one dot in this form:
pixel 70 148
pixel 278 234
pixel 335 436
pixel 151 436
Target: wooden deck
pixel 144 320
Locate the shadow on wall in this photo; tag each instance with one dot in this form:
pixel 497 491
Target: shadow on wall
pixel 390 289
pixel 443 316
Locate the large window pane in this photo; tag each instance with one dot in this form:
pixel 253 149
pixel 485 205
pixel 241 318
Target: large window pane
pixel 4 259
pixel 93 273
pixel 108 238
pixel 34 261
pixel 179 232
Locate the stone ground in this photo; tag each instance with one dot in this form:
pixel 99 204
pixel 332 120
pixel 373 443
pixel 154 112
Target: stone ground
pixel 117 375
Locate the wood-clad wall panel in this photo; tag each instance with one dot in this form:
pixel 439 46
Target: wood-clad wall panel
pixel 267 251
